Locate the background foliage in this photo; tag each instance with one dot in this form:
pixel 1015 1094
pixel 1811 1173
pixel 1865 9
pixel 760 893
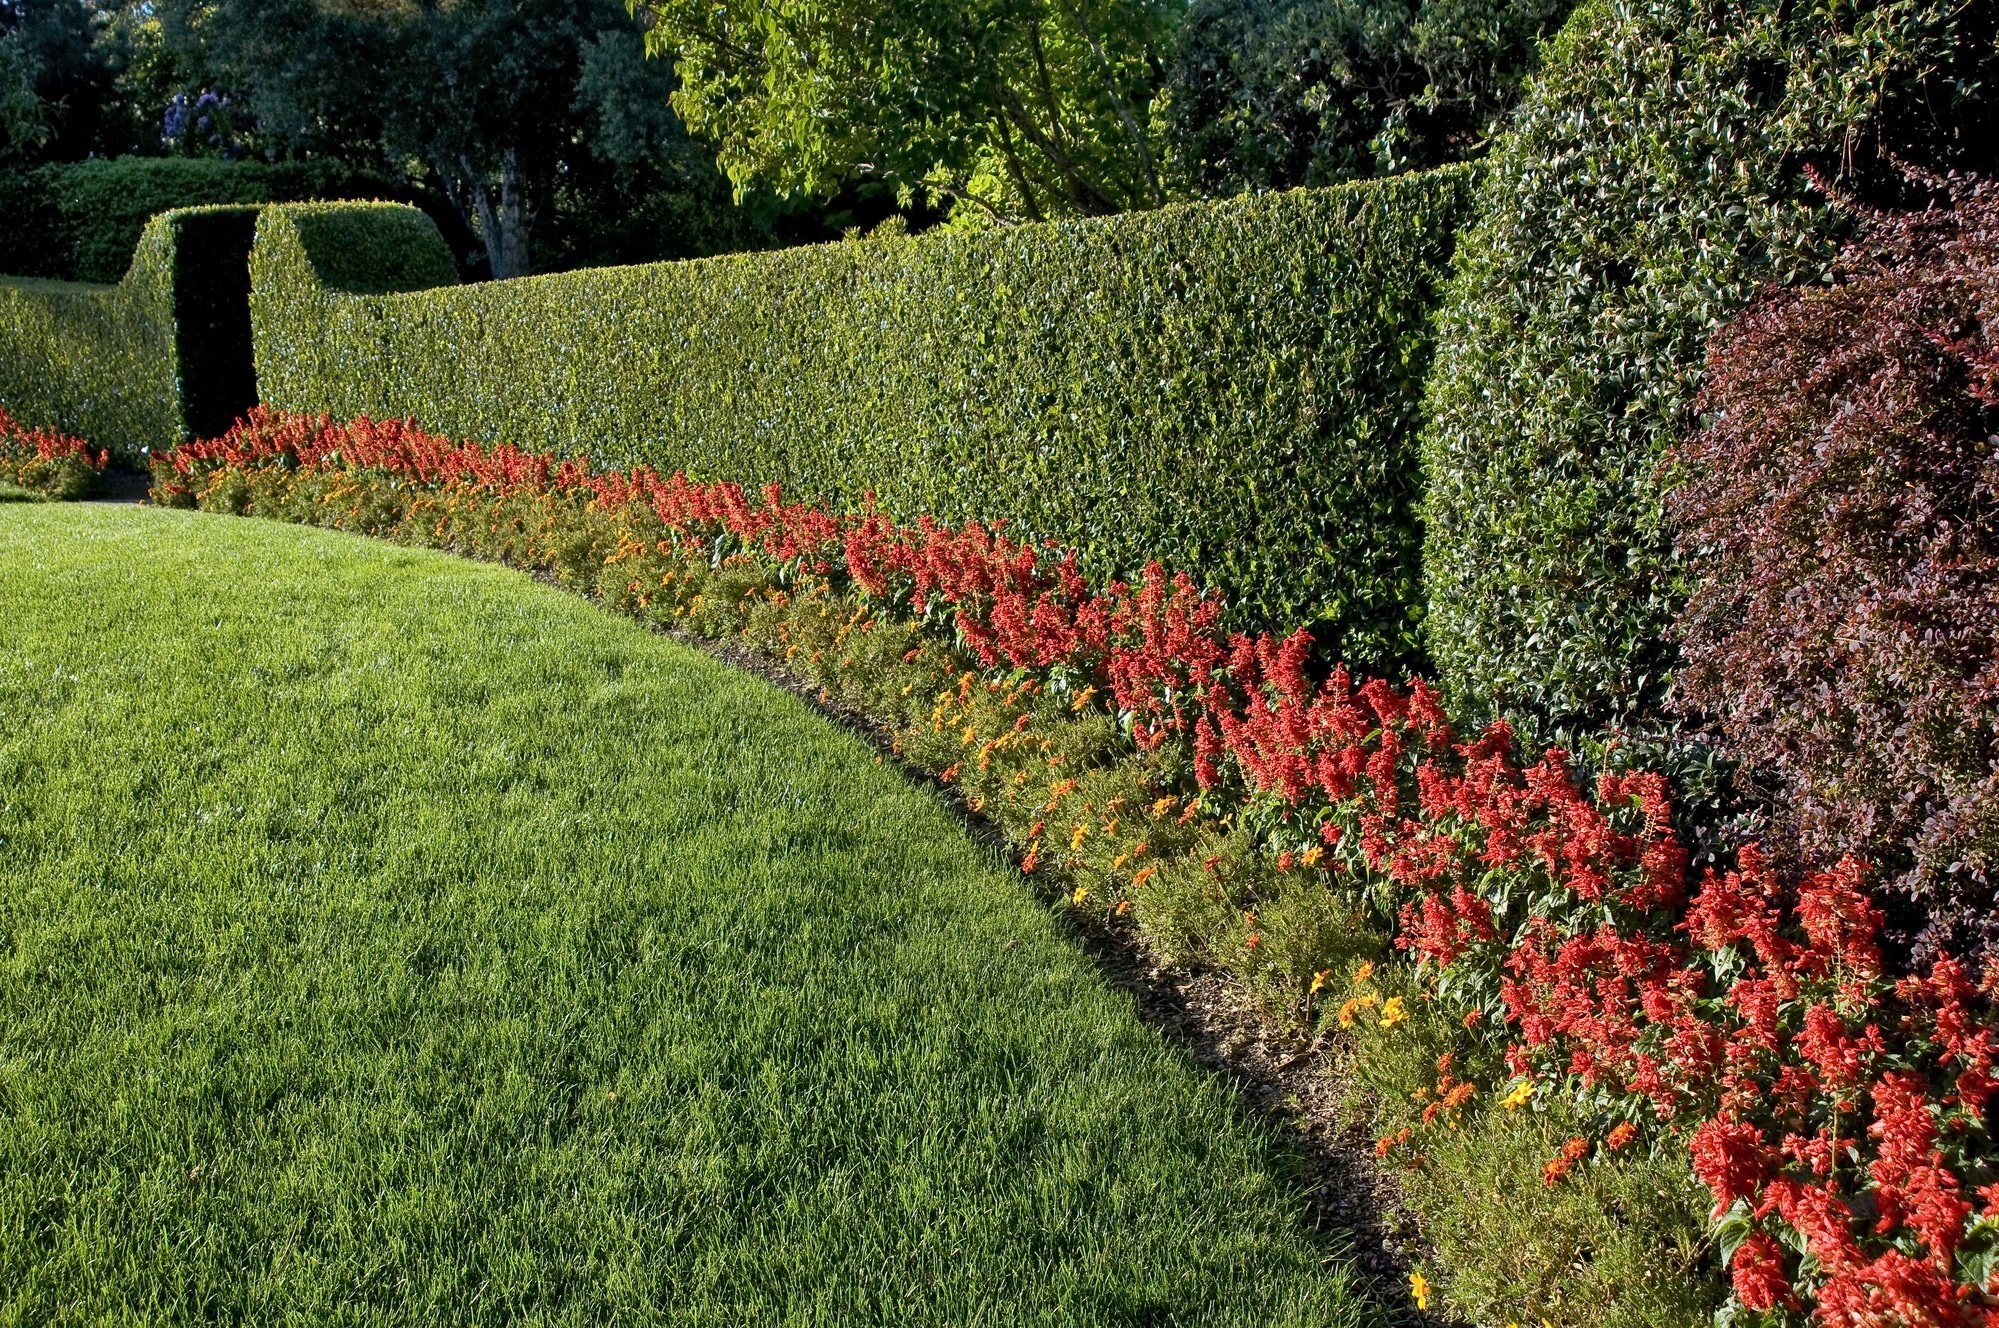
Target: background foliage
pixel 1652 180
pixel 78 78
pixel 517 113
pixel 1227 386
pixel 1270 94
pixel 538 134
pixel 88 215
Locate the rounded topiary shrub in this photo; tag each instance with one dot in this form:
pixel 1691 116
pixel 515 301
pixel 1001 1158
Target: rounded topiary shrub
pixel 1841 509
pixel 1653 179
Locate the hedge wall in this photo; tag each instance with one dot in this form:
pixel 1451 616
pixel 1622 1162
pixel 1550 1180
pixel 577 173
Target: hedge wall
pixel 1653 179
pixel 145 363
pixel 1231 387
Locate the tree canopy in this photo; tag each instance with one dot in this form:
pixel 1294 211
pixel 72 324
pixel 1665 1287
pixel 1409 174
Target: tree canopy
pixel 513 109
pixel 77 78
pixel 998 109
pixel 544 137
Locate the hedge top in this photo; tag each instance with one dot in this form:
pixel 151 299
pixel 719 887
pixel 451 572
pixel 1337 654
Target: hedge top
pixel 370 248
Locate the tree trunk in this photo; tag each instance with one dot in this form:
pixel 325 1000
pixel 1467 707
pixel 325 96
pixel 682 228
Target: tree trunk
pixel 504 223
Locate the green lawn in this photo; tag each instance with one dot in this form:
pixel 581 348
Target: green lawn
pixel 390 939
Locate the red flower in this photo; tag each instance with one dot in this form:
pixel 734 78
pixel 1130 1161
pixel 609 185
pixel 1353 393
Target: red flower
pixel 1757 1272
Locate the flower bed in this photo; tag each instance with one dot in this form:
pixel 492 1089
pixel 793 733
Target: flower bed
pixel 1301 828
pixel 47 463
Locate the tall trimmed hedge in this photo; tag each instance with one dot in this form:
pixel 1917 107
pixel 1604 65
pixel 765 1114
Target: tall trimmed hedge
pixel 148 362
pixel 1232 388
pixel 1651 182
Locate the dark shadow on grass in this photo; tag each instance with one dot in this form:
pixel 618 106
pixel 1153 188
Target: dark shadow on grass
pixel 118 485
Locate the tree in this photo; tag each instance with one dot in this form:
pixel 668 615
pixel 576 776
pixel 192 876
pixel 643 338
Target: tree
pixel 67 80
pixel 1001 110
pixel 1270 94
pixel 498 101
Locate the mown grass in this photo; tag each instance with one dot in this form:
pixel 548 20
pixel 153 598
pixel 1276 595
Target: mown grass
pixel 387 938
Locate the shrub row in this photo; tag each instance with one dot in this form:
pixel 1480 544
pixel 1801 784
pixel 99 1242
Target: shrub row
pixel 1566 978
pixel 1233 386
pixel 1653 179
pixel 81 221
pixel 162 356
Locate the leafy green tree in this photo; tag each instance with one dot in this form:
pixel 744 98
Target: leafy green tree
pixel 69 80
pixel 517 111
pixel 24 118
pixel 1000 110
pixel 1270 94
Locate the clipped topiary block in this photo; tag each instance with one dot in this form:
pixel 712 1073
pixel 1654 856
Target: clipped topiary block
pixel 1232 387
pixel 162 356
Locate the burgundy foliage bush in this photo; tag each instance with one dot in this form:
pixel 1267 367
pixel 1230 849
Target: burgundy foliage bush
pixel 1841 512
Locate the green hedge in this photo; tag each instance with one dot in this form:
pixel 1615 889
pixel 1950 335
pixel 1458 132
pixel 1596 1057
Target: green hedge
pixel 31 235
pixel 90 214
pixel 1231 387
pixel 142 364
pixel 1650 183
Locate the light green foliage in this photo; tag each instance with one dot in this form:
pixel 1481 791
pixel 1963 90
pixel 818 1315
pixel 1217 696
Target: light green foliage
pixel 388 939
pixel 1230 388
pixel 1651 181
pixel 1004 109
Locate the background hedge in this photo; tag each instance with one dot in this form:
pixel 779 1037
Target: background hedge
pixel 1232 387
pixel 109 363
pixel 87 216
pixel 1652 180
